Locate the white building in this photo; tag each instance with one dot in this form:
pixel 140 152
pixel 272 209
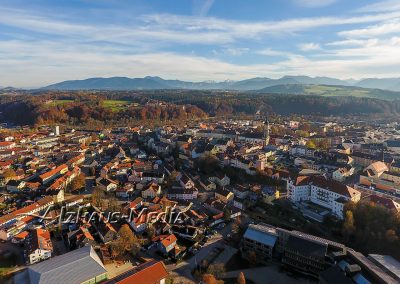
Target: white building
pixel 321 191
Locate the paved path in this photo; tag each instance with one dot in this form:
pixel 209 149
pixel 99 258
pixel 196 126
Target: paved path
pixel 184 268
pixel 265 275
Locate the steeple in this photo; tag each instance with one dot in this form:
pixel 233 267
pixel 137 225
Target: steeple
pixel 266 131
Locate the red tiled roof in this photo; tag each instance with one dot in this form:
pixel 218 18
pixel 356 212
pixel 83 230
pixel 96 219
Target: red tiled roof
pixel 168 240
pixel 148 273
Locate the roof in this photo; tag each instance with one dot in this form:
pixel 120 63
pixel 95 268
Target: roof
pixel 147 273
pixel 306 247
pixel 385 201
pixel 261 234
pixel 53 172
pixel 327 184
pixel 77 266
pixel 169 240
pixel 39 239
pixel 388 263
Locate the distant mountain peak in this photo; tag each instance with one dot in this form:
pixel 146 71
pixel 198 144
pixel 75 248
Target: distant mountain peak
pixel 256 83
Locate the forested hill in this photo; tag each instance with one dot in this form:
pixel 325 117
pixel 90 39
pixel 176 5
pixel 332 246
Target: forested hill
pixel 331 90
pixel 100 108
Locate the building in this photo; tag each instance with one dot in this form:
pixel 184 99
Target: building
pixel 305 255
pixel 151 272
pixel 182 193
pixel 167 244
pixel 151 190
pixel 223 194
pixel 320 258
pixel 81 266
pixel 327 193
pixel 38 245
pixel 260 240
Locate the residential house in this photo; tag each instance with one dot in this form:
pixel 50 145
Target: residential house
pixel 38 245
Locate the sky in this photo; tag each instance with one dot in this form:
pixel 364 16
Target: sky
pixel 46 41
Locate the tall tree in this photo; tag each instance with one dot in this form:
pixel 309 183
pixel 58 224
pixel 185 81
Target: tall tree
pixel 348 225
pixel 241 279
pixel 97 196
pixel 78 182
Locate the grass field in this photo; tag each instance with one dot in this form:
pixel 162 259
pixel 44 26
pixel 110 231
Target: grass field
pixel 60 102
pixel 328 91
pixel 116 105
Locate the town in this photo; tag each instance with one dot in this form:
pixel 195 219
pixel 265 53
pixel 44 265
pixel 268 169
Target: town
pixel 297 200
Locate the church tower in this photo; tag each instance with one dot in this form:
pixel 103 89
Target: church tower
pixel 266 132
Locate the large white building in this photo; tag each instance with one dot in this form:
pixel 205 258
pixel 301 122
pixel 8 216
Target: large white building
pixel 327 193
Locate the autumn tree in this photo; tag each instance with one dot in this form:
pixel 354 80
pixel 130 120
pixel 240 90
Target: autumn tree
pixel 97 196
pixel 348 225
pixel 78 183
pixel 252 257
pixel 210 279
pixel 126 242
pixel 9 174
pixel 113 204
pixel 311 144
pixel 241 279
pixel 216 269
pixel 236 225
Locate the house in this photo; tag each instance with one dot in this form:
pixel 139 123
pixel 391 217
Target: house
pixel 167 243
pixel 386 202
pixel 125 191
pixel 53 174
pixel 107 184
pixel 342 173
pixel 151 190
pixel 38 245
pixel 15 185
pixel 223 194
pixel 182 193
pixel 20 238
pixel 78 266
pixel 185 181
pixel 4 145
pixel 221 180
pixel 151 272
pixel 207 184
pixel 106 231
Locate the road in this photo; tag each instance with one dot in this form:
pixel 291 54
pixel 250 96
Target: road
pixel 184 269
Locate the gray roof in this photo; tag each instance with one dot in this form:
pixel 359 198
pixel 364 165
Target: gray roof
pixel 261 235
pixel 73 267
pixel 389 263
pixel 306 248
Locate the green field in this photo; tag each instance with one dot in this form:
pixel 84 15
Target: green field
pixel 322 90
pixel 116 105
pixel 60 102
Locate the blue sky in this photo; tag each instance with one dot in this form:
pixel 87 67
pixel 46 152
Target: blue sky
pixel 46 41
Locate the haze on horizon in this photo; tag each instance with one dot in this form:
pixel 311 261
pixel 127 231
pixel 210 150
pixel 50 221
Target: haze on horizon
pixel 44 41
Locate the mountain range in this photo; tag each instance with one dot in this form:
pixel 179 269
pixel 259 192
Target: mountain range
pixel 149 83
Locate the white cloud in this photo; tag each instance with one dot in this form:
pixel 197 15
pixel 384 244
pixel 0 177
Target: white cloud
pixel 78 50
pixel 206 7
pixel 314 3
pixel 233 51
pixel 380 6
pixel 309 46
pixel 379 30
pixel 48 62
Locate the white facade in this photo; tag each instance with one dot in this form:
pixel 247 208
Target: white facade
pixel 39 255
pixel 324 197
